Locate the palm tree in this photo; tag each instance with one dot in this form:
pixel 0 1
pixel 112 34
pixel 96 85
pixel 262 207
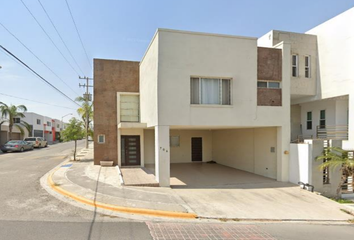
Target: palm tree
pixel 337 157
pixel 9 113
pixel 86 110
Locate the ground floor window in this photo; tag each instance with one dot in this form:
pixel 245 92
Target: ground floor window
pixel 309 121
pixel 322 118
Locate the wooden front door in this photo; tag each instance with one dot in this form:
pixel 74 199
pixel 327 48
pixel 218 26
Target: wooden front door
pixel 197 149
pixel 130 150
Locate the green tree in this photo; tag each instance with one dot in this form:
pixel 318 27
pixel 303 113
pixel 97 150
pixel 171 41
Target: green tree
pixel 338 158
pixel 9 113
pixel 86 112
pixel 73 132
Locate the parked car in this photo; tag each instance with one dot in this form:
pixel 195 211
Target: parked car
pixel 16 146
pixel 37 141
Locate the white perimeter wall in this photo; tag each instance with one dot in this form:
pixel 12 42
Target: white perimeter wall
pixel 304 167
pixel 300 163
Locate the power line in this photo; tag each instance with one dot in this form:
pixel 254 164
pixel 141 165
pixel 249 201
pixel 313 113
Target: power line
pixel 7 95
pixel 60 36
pixel 77 30
pixel 42 78
pixel 37 58
pixel 49 38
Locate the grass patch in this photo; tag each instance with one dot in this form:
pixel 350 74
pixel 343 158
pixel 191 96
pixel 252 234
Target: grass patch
pixel 341 200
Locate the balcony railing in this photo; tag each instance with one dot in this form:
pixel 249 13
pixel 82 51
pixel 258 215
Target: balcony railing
pixel 338 132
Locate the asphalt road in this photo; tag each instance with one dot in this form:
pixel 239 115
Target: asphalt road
pixel 29 212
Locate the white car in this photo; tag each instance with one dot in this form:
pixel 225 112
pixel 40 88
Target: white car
pixel 37 141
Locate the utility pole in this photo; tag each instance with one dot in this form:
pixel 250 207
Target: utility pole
pixel 87 97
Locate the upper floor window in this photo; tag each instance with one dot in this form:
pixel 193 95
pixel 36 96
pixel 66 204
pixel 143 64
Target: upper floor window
pixel 309 121
pixel 49 124
pixel 214 91
pixel 268 84
pixel 38 121
pixel 322 118
pixel 307 66
pixel 295 65
pixel 17 120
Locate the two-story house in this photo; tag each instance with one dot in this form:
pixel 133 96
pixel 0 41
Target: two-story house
pixel 196 97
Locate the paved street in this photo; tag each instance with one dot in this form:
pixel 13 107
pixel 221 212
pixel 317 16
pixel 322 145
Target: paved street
pixel 29 212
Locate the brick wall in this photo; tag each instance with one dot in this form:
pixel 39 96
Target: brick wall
pixel 269 97
pixel 269 64
pixel 110 77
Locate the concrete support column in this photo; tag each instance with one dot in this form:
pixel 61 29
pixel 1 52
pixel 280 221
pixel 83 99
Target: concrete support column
pixel 283 146
pixel 349 145
pixel 162 155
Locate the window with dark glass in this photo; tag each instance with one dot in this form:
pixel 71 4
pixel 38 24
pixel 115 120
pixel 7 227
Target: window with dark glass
pixel 322 118
pixel 295 65
pixel 307 66
pixel 309 121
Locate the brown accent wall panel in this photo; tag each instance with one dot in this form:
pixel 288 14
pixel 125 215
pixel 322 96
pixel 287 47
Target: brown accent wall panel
pixel 269 64
pixel 110 77
pixel 269 97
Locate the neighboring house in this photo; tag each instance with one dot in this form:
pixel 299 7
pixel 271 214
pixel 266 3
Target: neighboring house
pixel 43 126
pixel 235 100
pixel 322 100
pixel 5 136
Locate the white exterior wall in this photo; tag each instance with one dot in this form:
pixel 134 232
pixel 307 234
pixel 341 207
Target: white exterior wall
pixel 247 149
pixel 300 163
pixel 336 114
pixel 148 83
pixel 185 54
pixel 301 45
pixel 180 55
pixel 183 153
pixel 336 71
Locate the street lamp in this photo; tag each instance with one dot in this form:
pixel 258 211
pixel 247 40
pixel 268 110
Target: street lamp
pixel 62 123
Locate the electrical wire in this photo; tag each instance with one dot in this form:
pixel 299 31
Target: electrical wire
pixel 38 58
pixel 7 95
pixel 61 53
pixel 66 46
pixel 77 30
pixel 42 78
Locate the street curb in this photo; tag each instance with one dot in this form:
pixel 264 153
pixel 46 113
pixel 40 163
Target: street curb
pixel 120 176
pixel 115 208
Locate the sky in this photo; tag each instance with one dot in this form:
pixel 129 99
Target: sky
pixel 116 29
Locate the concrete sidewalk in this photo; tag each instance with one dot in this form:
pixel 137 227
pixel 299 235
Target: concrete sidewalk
pixel 98 189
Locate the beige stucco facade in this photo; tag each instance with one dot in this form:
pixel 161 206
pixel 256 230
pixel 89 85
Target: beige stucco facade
pixel 173 57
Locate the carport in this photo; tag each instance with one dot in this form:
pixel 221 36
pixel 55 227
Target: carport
pixel 248 150
pixel 194 175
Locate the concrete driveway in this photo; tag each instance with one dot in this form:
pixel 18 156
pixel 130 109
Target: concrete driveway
pixel 217 191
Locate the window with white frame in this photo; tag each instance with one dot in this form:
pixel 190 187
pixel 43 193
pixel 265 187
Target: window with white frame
pixel 215 91
pixel 295 65
pixel 307 66
pixel 49 124
pixel 268 84
pixel 38 121
pixel 101 138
